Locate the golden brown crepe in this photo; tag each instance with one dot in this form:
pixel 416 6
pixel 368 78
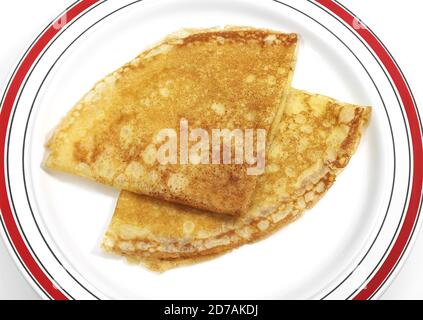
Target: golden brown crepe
pixel 315 141
pixel 162 265
pixel 215 79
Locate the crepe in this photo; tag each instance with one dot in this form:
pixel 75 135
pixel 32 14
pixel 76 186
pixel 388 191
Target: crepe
pixel 315 141
pixel 213 79
pixel 163 265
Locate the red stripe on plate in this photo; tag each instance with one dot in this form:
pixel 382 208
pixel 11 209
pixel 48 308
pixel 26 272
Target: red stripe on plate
pixel 9 100
pixel 416 136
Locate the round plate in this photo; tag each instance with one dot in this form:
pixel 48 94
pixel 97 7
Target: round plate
pixel 348 246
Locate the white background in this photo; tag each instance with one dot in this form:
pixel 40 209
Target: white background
pixel 398 27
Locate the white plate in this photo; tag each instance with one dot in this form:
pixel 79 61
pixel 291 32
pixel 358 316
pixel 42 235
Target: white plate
pixel 348 246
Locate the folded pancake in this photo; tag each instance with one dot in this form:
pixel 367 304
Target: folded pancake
pixel 214 79
pixel 162 265
pixel 315 141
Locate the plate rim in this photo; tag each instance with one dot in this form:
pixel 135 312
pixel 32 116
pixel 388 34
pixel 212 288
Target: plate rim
pixel 386 271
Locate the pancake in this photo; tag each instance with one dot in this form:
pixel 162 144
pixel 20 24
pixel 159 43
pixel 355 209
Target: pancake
pixel 315 141
pixel 229 78
pixel 162 265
